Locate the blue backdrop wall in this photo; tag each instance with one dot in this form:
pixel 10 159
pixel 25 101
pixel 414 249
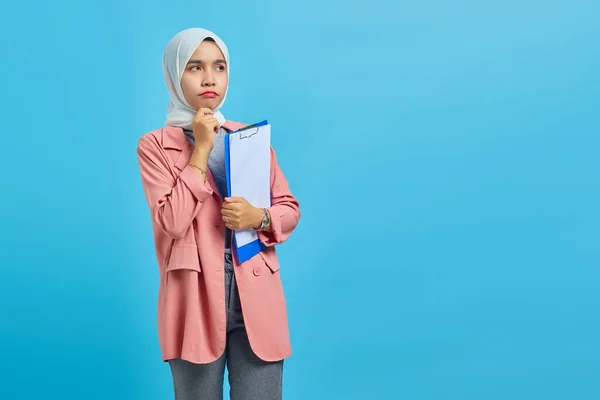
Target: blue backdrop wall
pixel 445 155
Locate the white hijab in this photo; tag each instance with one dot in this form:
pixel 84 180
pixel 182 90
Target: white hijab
pixel 175 57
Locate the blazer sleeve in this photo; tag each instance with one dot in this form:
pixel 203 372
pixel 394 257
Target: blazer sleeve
pixel 284 210
pixel 174 202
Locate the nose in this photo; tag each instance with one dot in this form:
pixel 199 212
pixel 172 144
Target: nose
pixel 208 78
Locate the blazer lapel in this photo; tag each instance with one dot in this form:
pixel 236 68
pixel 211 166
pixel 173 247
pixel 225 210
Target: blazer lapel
pixel 233 126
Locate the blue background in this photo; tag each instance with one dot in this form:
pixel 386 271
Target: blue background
pixel 445 155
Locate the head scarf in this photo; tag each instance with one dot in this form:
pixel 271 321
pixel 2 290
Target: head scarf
pixel 175 57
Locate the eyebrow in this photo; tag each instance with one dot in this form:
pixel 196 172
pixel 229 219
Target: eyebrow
pixel 219 61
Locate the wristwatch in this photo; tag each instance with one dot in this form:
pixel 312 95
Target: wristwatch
pixel 265 221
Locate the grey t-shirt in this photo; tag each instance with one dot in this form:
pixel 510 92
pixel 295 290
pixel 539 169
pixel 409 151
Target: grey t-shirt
pixel 216 164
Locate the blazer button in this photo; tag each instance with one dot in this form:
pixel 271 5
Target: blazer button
pixel 256 271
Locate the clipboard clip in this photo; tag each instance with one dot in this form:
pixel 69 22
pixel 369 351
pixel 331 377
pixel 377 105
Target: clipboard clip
pixel 252 130
pixel 247 134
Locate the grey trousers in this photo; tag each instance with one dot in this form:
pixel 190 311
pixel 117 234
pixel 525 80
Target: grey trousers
pixel 250 378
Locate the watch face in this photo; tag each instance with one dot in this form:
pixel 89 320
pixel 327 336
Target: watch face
pixel 265 220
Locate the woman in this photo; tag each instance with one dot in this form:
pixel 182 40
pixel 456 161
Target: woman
pixel 212 310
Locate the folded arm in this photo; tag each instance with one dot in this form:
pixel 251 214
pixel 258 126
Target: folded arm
pixel 284 210
pixel 173 202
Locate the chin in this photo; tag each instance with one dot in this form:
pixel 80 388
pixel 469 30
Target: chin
pixel 207 104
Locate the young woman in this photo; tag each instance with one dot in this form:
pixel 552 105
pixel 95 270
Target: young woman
pixel 212 311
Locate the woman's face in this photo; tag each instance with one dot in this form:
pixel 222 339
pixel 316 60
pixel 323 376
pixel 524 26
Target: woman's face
pixel 204 80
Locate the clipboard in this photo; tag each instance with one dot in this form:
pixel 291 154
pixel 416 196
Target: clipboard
pixel 246 243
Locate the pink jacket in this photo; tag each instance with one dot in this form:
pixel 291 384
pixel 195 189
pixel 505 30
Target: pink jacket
pixel 189 237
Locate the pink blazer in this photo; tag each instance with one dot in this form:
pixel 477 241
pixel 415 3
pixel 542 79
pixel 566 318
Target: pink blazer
pixel 189 237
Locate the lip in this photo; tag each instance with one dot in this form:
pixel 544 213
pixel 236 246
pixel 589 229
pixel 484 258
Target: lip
pixel 209 94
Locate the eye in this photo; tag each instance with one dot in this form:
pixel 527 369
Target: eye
pixel 221 68
pixel 194 66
